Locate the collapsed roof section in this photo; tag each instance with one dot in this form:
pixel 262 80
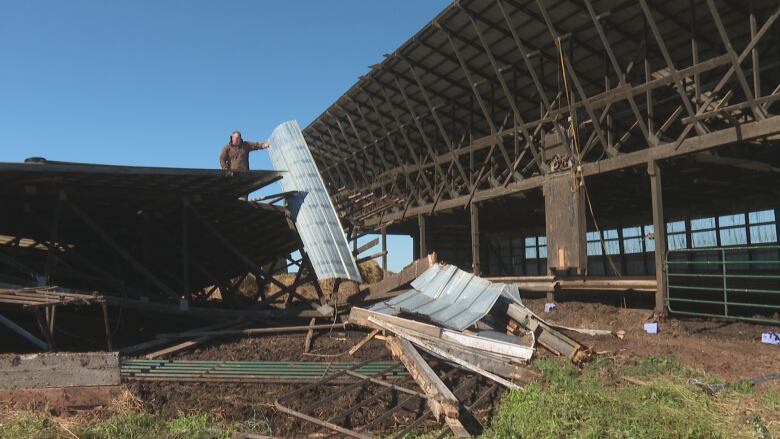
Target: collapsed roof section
pixel 135 230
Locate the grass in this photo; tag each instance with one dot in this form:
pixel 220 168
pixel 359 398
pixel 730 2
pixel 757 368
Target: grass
pixel 131 425
pixel 598 403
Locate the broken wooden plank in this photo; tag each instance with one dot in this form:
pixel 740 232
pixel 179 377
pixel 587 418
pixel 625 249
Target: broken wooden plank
pixel 547 336
pixel 366 246
pixel 309 335
pixel 361 316
pixel 371 257
pixel 252 331
pixel 441 400
pixel 362 342
pixel 155 343
pixel 431 347
pixel 59 370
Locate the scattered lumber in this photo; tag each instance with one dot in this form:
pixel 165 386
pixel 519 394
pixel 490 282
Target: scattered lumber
pixel 156 343
pixel 497 360
pixel 378 320
pixel 552 339
pixel 440 399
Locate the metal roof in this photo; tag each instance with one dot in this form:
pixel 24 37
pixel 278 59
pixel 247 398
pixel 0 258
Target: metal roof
pixel 311 208
pixel 460 111
pixel 449 296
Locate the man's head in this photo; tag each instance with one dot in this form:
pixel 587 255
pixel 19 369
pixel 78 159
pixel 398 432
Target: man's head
pixel 235 137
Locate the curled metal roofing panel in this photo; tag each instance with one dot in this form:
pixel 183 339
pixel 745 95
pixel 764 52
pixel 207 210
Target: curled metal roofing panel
pixel 451 297
pixel 311 207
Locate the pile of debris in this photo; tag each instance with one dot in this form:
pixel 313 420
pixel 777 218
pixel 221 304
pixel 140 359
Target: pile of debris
pixel 461 322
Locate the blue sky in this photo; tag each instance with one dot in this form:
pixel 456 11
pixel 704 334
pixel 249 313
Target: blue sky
pixel 162 83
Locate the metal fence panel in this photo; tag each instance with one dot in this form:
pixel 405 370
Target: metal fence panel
pixel 739 283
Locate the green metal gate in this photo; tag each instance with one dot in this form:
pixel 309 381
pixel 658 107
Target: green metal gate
pixel 740 283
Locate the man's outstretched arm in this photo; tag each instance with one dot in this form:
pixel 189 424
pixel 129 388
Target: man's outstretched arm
pixel 254 146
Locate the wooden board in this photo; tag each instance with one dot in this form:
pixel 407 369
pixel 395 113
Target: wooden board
pixel 59 370
pixel 441 400
pixel 61 397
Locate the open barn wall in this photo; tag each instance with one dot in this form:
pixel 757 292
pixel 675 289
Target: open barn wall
pixel 656 111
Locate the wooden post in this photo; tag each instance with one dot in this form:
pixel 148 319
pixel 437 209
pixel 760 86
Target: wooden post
pixel 44 327
pixel 185 251
pixel 384 252
pixel 423 247
pixel 659 230
pixel 309 335
pixel 107 326
pixel 474 213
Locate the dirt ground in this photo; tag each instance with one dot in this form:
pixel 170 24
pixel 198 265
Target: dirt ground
pixel 729 350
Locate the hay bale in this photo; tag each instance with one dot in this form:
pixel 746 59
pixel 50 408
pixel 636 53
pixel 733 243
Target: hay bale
pixel 371 272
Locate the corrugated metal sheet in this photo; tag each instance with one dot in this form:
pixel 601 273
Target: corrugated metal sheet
pixel 450 297
pixel 311 208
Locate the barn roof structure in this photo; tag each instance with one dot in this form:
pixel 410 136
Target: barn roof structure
pixel 490 97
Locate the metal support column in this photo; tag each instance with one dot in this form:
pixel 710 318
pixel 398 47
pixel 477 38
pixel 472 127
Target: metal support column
pixel 474 213
pixel 659 230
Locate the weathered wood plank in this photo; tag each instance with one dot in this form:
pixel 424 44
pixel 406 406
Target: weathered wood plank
pixel 441 400
pixel 362 342
pixel 550 338
pixel 61 397
pixel 361 316
pixel 59 370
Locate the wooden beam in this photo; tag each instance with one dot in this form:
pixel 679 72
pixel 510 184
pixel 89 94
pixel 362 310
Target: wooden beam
pixel 748 131
pixel 309 335
pixel 59 370
pixel 384 250
pixel 441 400
pixel 362 342
pixel 474 215
pixel 659 233
pixel 421 235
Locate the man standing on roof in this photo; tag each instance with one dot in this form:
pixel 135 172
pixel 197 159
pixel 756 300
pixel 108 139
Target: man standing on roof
pixel 235 155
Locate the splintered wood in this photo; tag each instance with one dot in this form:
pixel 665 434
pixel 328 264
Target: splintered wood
pixel 441 400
